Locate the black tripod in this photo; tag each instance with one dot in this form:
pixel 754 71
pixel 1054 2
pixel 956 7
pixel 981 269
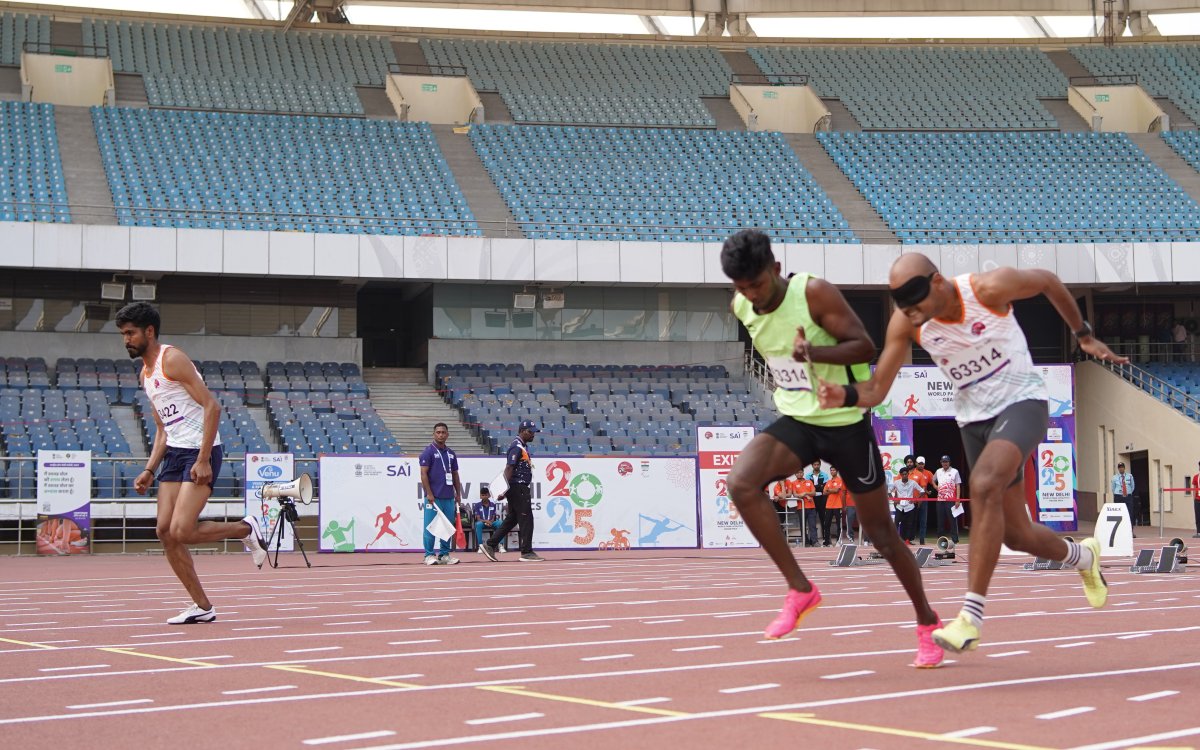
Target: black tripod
pixel 288 515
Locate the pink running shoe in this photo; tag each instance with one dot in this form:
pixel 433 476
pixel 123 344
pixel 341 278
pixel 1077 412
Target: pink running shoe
pixel 795 607
pixel 929 654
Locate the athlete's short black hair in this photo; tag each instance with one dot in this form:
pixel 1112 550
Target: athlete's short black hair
pixel 746 254
pixel 442 424
pixel 141 314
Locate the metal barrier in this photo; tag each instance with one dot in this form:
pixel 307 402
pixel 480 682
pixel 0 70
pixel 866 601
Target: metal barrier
pixel 1157 387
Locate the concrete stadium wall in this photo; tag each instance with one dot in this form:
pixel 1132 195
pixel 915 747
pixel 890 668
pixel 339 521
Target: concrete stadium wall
pixel 260 349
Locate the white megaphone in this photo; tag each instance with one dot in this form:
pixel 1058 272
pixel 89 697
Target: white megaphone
pixel 300 489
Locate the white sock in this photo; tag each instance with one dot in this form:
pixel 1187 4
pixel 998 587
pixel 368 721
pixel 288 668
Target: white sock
pixel 1078 556
pixel 973 608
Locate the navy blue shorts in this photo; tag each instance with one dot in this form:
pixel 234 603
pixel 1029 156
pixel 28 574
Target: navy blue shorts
pixel 177 464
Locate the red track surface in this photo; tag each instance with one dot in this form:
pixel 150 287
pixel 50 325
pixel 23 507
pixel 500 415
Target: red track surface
pixel 640 649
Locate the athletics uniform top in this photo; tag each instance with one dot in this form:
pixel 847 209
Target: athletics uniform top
pixel 182 417
pixel 774 334
pixel 986 356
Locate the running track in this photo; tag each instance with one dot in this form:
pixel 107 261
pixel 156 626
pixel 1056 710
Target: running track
pixel 638 649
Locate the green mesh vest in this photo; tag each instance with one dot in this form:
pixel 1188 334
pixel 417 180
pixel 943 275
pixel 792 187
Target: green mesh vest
pixel 773 335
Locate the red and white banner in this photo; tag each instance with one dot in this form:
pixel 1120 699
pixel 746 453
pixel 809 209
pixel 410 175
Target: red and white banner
pixel 720 523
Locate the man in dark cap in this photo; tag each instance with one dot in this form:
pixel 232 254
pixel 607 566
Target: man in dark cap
pixel 518 473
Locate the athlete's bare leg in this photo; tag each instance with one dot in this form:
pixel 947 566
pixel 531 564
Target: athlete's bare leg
pixel 876 521
pixel 175 551
pixel 763 461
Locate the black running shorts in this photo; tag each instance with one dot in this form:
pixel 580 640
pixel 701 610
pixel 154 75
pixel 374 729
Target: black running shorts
pixel 850 449
pixel 1023 424
pixel 177 464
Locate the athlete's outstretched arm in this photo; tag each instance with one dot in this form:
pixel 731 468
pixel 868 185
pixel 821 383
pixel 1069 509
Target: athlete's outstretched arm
pixel 872 392
pixel 831 311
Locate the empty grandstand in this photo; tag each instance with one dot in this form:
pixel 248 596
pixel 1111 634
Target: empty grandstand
pixel 1171 71
pixel 32 186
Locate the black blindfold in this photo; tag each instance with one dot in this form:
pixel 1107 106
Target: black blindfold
pixel 914 291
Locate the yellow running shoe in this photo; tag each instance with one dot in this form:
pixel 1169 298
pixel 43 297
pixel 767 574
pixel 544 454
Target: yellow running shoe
pixel 960 635
pixel 1094 584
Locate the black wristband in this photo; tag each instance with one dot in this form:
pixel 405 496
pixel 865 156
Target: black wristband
pixel 851 396
pixel 1084 331
pixel 147 469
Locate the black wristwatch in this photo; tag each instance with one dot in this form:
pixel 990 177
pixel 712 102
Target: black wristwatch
pixel 1084 331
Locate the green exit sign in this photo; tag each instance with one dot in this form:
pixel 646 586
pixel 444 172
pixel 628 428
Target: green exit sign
pixel 770 95
pixel 1101 97
pixel 431 87
pixel 62 68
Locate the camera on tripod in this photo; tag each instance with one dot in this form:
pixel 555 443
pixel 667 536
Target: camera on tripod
pixel 287 494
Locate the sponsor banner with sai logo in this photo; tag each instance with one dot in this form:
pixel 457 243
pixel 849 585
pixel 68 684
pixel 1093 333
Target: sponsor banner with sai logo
pixel 263 469
pixel 718 449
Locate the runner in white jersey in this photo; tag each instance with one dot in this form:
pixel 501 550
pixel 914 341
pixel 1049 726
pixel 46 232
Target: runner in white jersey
pixel 968 327
pixel 188 450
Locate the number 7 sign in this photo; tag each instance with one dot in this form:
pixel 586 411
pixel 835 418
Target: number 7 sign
pixel 1114 532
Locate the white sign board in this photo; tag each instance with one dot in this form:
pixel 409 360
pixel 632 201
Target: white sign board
pixel 1114 532
pixel 720 523
pixel 921 391
pixel 375 502
pixel 64 493
pixel 263 469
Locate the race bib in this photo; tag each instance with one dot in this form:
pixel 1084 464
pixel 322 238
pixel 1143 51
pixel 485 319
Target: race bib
pixel 789 374
pixel 972 365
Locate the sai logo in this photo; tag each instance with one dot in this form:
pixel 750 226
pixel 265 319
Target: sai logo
pixel 708 435
pixel 624 468
pixel 269 472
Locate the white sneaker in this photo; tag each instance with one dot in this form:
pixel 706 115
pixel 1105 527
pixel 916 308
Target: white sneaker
pixel 255 543
pixel 193 615
pixel 431 560
pixel 447 560
pixel 502 548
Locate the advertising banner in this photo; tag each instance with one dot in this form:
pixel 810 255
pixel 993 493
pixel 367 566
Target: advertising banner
pixel 263 469
pixel 64 491
pixel 718 448
pixel 923 391
pixel 375 502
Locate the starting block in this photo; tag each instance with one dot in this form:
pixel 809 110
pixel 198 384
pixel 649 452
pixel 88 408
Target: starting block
pixel 847 557
pixel 1042 564
pixel 1168 561
pixel 926 558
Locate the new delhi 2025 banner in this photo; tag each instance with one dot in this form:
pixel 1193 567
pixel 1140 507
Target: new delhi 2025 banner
pixel 374 502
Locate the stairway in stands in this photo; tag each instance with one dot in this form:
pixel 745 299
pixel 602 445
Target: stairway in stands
pixel 410 407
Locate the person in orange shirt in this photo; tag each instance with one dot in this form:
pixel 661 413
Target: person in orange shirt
pixel 835 489
pixel 806 490
pixel 779 493
pixel 923 477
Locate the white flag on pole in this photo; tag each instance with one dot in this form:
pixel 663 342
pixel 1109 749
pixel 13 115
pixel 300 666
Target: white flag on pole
pixel 440 526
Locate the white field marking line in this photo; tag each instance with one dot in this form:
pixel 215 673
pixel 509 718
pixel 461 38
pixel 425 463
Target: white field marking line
pixel 506 666
pixel 67 669
pixel 112 703
pixel 749 688
pixel 1066 712
pixel 353 622
pixel 660 622
pixel 851 632
pixel 13 611
pixel 426 617
pixel 1131 636
pixel 503 719
pixel 1077 644
pixel 969 732
pixel 1168 599
pixel 577 606
pixel 313 650
pixel 414 643
pixel 248 691
pixel 697 648
pixel 501 612
pixel 1004 654
pixel 606 657
pixel 1153 696
pixel 590 627
pixel 844 675
pixel 412 676
pixel 209 658
pixel 348 737
pixel 642 702
pixel 30 624
pixel 1135 741
pixel 505 635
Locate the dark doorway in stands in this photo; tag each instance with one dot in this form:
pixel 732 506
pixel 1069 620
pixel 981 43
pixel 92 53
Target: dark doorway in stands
pixel 934 438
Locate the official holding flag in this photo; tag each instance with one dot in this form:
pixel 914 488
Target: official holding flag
pixel 443 492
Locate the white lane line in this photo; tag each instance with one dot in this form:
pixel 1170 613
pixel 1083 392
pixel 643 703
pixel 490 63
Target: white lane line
pixel 110 704
pixel 606 657
pixel 1168 599
pixel 1003 654
pixel 1153 696
pixel 248 691
pixel 209 658
pixel 642 702
pixel 507 612
pixel 1125 604
pixel 414 643
pixel 47 643
pixel 502 719
pixel 506 666
pixel 82 666
pixel 843 675
pixel 590 627
pixel 156 635
pixel 441 601
pixel 733 614
pixel 313 650
pixel 349 737
pixel 1077 644
pixel 505 635
pixel 352 622
pixel 969 732
pixel 412 676
pixel 659 622
pixel 294 609
pixel 1131 636
pixel 30 624
pixel 442 617
pixel 697 648
pixel 257 627
pixel 578 606
pixel 1139 741
pixel 852 632
pixel 1066 712
pixel 749 688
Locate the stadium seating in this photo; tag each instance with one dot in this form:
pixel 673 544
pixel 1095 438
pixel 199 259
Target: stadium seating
pixel 245 69
pixel 1171 70
pixel 928 88
pixel 32 186
pixel 1182 379
pixel 605 84
pixel 277 172
pixel 652 184
pixel 18 28
pixel 1186 143
pixel 598 409
pixel 1014 187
